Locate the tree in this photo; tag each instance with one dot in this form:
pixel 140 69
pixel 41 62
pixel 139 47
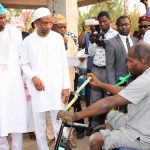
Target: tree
pixel 20 18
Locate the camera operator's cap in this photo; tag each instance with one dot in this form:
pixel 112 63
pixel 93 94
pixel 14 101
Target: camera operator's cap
pixel 2 9
pixel 41 12
pixel 58 19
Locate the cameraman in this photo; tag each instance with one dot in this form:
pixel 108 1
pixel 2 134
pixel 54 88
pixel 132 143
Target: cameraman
pixel 97 50
pixel 84 40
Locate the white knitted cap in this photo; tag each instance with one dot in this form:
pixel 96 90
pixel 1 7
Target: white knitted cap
pixel 41 12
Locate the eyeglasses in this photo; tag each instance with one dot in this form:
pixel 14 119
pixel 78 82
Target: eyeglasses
pixel 144 26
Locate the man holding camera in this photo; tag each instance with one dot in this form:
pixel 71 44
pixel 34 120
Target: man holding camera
pixel 97 50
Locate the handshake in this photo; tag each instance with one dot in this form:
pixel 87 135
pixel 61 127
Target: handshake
pixel 67 116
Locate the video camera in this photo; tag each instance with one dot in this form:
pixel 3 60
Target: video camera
pixel 90 22
pixel 100 39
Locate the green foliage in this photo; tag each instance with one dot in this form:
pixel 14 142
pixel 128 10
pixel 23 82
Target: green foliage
pixel 115 9
pixel 13 13
pixel 134 16
pixel 17 15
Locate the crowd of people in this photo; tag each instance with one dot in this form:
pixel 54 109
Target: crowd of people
pixel 36 81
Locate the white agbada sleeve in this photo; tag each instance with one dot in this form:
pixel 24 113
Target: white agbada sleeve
pixel 13 104
pixel 25 60
pixel 65 68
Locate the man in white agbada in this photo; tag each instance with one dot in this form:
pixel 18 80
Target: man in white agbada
pixel 12 94
pixel 44 61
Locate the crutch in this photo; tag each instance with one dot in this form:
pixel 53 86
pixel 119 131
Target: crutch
pixel 76 94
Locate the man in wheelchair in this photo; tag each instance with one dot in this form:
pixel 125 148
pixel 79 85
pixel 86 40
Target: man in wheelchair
pixel 129 130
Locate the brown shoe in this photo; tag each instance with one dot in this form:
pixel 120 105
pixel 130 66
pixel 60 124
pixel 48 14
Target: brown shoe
pixel 72 142
pixel 51 142
pixel 32 136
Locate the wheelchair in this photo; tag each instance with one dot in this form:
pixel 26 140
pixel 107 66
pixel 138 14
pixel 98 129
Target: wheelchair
pixel 61 142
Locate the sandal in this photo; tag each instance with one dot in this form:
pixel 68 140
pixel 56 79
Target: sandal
pixel 32 136
pixel 72 142
pixel 51 142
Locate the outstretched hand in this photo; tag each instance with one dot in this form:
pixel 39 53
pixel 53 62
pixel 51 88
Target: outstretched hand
pixel 146 3
pixel 84 27
pixel 67 116
pixel 94 82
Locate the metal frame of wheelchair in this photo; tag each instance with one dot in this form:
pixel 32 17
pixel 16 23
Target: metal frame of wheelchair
pixel 65 145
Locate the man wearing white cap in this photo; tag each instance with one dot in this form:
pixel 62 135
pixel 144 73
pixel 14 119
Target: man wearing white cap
pixel 12 94
pixel 44 61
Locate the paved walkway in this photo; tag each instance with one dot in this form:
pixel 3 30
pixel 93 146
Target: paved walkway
pixel 83 144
